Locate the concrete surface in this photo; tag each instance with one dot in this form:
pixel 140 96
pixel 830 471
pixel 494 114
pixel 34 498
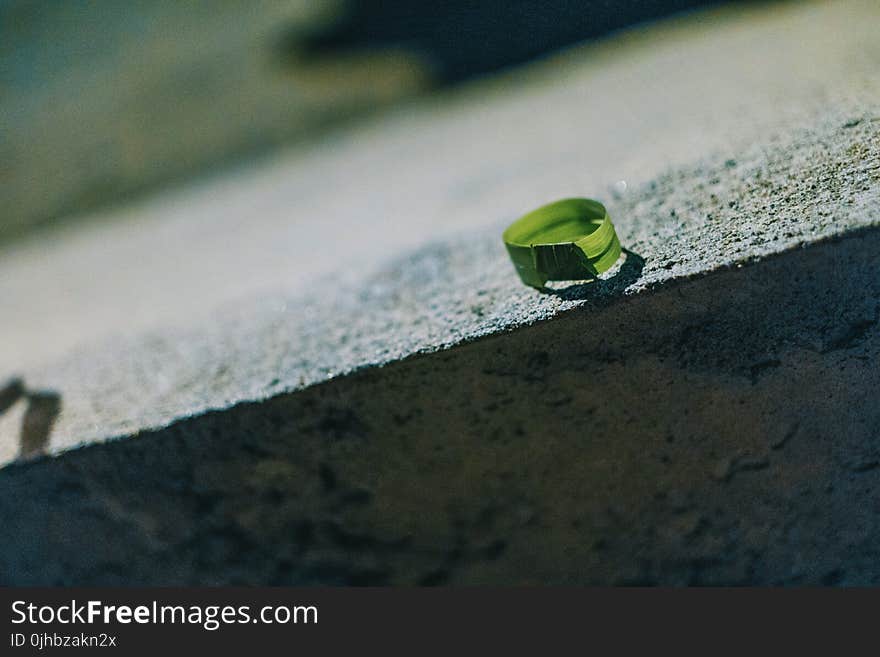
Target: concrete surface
pixel 232 290
pixel 705 414
pixel 719 430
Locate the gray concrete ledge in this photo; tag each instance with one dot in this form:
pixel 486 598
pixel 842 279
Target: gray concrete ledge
pixel 720 430
pixel 740 133
pixel 820 181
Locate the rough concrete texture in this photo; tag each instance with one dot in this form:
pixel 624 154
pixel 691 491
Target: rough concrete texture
pixel 232 290
pixel 706 414
pixel 823 181
pixel 720 430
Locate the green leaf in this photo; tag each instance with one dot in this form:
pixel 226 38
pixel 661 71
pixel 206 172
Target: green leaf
pixel 571 239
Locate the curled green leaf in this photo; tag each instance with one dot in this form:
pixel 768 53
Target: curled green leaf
pixel 571 239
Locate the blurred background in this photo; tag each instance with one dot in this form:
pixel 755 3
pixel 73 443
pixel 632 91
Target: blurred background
pixel 101 100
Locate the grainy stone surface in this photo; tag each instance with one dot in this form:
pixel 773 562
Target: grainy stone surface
pixel 822 181
pixel 233 290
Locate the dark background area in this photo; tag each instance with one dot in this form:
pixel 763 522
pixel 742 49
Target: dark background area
pixel 465 38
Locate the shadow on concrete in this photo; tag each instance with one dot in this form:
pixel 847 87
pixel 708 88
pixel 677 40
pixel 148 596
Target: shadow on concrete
pixel 605 288
pixel 43 408
pixel 464 38
pixel 11 392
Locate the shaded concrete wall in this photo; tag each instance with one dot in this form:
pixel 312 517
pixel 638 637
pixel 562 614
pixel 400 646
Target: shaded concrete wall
pixel 719 430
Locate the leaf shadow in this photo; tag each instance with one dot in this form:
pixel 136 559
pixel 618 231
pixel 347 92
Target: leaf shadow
pixel 604 288
pixel 43 409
